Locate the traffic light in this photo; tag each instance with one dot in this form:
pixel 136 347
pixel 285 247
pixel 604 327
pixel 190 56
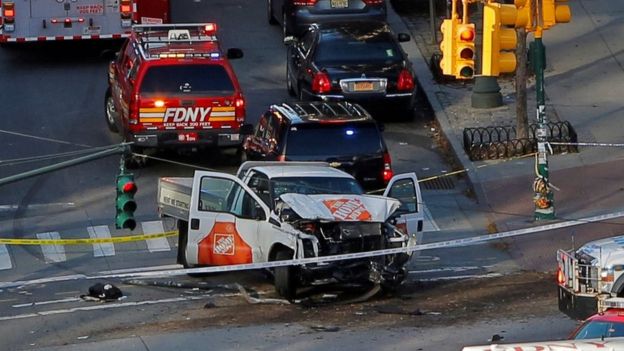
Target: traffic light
pixel 555 11
pixel 124 203
pixel 447 46
pixel 499 36
pixel 465 51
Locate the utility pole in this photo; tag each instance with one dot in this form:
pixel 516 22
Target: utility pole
pixel 543 196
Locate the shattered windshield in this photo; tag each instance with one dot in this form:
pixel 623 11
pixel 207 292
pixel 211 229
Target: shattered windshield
pixel 314 185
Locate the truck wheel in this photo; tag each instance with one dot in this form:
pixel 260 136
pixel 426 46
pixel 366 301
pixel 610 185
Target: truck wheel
pixel 285 278
pixel 110 112
pixel 182 243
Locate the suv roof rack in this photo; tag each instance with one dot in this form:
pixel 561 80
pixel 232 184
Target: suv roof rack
pixel 322 111
pixel 155 40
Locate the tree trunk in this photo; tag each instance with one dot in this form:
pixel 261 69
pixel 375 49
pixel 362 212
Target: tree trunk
pixel 522 121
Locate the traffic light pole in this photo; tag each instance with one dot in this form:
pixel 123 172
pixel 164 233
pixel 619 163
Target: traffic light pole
pixel 543 197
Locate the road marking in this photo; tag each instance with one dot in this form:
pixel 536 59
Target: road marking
pixel 104 306
pixel 449 269
pixel 467 276
pixel 41 303
pixel 105 249
pixel 52 253
pixel 5 258
pixel 61 205
pixel 158 244
pixel 429 225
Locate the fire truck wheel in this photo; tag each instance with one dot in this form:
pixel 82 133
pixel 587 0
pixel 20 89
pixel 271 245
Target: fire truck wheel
pixel 110 112
pixel 285 278
pixel 182 243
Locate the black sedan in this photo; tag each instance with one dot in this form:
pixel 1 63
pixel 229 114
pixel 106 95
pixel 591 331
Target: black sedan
pixel 360 61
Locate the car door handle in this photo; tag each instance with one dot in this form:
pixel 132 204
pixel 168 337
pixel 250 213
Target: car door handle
pixel 195 223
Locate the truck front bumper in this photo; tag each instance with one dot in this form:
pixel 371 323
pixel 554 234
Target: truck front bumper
pixel 180 140
pixel 576 306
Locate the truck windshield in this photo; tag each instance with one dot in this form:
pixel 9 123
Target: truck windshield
pixel 314 185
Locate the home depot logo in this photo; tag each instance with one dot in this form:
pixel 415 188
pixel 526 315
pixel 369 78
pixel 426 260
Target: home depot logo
pixel 348 209
pixel 224 244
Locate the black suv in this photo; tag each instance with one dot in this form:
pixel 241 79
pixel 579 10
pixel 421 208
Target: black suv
pixel 341 133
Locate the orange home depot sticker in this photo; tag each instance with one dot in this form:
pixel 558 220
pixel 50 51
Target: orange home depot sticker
pixel 223 246
pixel 348 209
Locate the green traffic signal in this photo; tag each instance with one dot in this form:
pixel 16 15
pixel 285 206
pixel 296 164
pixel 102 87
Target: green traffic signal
pixel 124 202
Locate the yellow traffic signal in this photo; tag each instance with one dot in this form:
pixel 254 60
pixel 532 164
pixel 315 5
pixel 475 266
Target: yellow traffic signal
pixel 555 11
pixel 499 36
pixel 526 15
pixel 447 46
pixel 464 51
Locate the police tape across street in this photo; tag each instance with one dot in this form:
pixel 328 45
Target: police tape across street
pixel 302 261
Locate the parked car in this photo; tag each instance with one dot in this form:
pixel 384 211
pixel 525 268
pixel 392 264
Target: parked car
pixel 295 16
pixel 341 133
pixel 360 62
pixel 606 324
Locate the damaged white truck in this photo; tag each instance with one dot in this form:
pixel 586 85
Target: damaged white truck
pixel 272 211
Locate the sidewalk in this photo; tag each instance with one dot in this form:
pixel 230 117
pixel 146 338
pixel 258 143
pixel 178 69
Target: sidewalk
pixel 505 186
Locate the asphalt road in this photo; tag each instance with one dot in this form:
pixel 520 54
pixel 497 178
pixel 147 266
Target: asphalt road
pixel 52 98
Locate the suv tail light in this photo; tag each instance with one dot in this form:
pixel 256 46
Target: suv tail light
pixel 133 113
pixel 387 170
pixel 304 2
pixel 373 2
pixel 560 277
pixel 239 104
pixel 405 81
pixel 321 83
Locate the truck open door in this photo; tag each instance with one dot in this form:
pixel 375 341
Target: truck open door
pixel 405 188
pixel 224 221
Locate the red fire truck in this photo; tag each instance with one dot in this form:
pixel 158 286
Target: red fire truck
pixel 47 20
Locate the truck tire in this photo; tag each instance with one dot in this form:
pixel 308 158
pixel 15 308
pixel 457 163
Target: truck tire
pixel 285 278
pixel 110 112
pixel 182 243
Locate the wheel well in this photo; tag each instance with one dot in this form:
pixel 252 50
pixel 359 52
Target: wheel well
pixel 277 248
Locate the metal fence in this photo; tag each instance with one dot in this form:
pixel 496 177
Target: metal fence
pixel 495 142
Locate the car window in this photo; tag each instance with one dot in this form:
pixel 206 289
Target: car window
pixel 187 80
pixel 314 185
pixel 259 183
pixel 357 49
pixel 405 191
pixel 333 140
pixel 226 195
pixel 596 329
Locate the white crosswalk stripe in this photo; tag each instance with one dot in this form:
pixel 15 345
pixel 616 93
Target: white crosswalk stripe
pixel 52 253
pixel 156 244
pixel 105 249
pixel 5 258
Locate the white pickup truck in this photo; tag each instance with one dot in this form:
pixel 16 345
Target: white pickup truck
pixel 273 211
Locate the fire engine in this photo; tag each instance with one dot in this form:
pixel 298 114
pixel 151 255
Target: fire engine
pixel 49 20
pixel 172 87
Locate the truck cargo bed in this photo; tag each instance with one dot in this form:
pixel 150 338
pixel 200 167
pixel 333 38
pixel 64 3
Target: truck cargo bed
pixel 174 197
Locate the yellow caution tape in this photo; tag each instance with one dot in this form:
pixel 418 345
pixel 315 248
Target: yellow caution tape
pixel 118 239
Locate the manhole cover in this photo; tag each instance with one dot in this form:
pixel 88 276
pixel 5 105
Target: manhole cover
pixel 440 183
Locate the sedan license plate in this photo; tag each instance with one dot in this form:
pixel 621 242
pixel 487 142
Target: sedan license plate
pixel 188 137
pixel 339 4
pixel 363 86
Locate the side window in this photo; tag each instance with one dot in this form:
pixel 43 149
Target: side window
pixel 404 191
pixel 125 59
pixel 262 126
pixel 226 195
pixel 132 72
pixel 216 194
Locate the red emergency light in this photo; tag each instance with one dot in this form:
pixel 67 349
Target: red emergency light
pixel 210 28
pixel 8 10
